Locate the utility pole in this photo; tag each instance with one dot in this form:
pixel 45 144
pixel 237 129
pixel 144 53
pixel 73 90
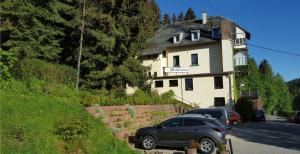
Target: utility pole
pixel 80 46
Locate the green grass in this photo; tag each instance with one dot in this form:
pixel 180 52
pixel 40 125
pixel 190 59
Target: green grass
pixel 29 119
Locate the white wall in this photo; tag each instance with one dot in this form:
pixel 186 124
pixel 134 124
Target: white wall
pixel 209 58
pixel 203 92
pixel 227 55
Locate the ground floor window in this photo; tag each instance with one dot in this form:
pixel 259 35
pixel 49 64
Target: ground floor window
pixel 218 82
pixel 188 84
pixel 159 84
pixel 219 101
pixel 173 83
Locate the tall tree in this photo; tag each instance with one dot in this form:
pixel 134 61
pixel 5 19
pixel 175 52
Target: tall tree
pixel 180 17
pixel 189 15
pixel 166 19
pixel 269 98
pixel 33 28
pixel 174 18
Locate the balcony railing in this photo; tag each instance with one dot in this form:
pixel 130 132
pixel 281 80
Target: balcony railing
pixel 250 94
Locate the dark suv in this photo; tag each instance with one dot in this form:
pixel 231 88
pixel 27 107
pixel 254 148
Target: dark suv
pixel 179 131
pixel 219 113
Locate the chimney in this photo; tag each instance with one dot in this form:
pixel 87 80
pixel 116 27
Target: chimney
pixel 204 17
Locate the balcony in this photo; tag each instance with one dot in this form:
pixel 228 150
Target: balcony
pixel 250 94
pixel 240 43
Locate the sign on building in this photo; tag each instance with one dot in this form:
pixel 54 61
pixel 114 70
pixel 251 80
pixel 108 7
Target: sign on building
pixel 176 69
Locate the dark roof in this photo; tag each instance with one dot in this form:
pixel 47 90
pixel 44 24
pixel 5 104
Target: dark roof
pixel 163 36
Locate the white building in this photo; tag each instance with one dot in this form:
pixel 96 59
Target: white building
pixel 196 60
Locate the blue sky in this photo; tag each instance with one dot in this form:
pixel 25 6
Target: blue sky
pixel 272 23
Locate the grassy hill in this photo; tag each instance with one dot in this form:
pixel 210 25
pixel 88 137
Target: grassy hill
pixel 32 122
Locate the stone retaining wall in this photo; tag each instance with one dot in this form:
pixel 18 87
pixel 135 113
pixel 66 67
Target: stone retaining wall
pixel 125 120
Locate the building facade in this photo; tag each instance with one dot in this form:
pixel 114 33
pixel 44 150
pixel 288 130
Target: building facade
pixel 196 60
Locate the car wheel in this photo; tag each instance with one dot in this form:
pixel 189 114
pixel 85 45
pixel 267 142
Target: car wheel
pixel 206 146
pixel 148 142
pixel 235 123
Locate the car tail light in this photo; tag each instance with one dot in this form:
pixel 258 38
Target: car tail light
pixel 227 122
pixel 218 129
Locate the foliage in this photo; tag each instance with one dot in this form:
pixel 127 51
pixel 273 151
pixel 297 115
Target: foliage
pixel 53 74
pixel 244 108
pixel 131 111
pixel 166 19
pixel 272 88
pixel 7 60
pixel 72 128
pixel 29 119
pixel 174 18
pixel 190 14
pixel 294 88
pixel 180 17
pixel 222 147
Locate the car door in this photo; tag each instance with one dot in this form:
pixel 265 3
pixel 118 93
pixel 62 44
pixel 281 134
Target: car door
pixel 167 134
pixel 191 130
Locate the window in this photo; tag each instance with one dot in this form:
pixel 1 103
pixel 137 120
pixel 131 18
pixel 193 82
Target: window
pixel 164 54
pixel 155 74
pixel 214 114
pixel 175 122
pixel 195 34
pixel 159 84
pixel 176 61
pixel 218 82
pixel 149 74
pixel 194 59
pixel 193 122
pixel 215 33
pixel 188 84
pixel 173 83
pixel 219 101
pixel 240 41
pixel 177 37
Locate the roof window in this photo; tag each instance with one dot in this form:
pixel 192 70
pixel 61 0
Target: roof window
pixel 195 35
pixel 177 37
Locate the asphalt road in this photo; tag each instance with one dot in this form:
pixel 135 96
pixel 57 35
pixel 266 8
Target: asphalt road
pixel 276 136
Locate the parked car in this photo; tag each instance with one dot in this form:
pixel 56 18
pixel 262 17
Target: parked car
pixel 220 114
pixel 258 115
pixel 234 118
pixel 297 117
pixel 179 131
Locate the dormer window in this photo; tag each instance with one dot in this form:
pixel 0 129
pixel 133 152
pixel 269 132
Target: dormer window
pixel 195 35
pixel 177 37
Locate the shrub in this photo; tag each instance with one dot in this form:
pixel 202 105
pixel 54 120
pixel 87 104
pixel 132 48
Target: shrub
pixel 51 73
pixel 244 108
pixel 74 128
pixel 131 111
pixel 7 60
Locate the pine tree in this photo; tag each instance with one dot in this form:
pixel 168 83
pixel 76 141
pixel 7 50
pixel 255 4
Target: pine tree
pixel 174 18
pixel 180 17
pixel 33 28
pixel 190 15
pixel 166 19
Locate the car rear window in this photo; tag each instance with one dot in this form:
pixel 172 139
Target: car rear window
pixel 216 122
pixel 193 122
pixel 214 114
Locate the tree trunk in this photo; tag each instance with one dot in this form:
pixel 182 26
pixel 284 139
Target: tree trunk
pixel 80 47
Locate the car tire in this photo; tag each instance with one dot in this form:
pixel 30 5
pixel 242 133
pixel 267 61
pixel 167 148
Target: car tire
pixel 235 123
pixel 148 142
pixel 207 146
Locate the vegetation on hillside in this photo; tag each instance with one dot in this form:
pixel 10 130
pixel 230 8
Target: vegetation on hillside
pixel 294 87
pixel 33 122
pixel 271 87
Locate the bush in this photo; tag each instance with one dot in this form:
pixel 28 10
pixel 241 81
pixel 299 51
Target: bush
pixel 72 128
pixel 51 73
pixel 244 108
